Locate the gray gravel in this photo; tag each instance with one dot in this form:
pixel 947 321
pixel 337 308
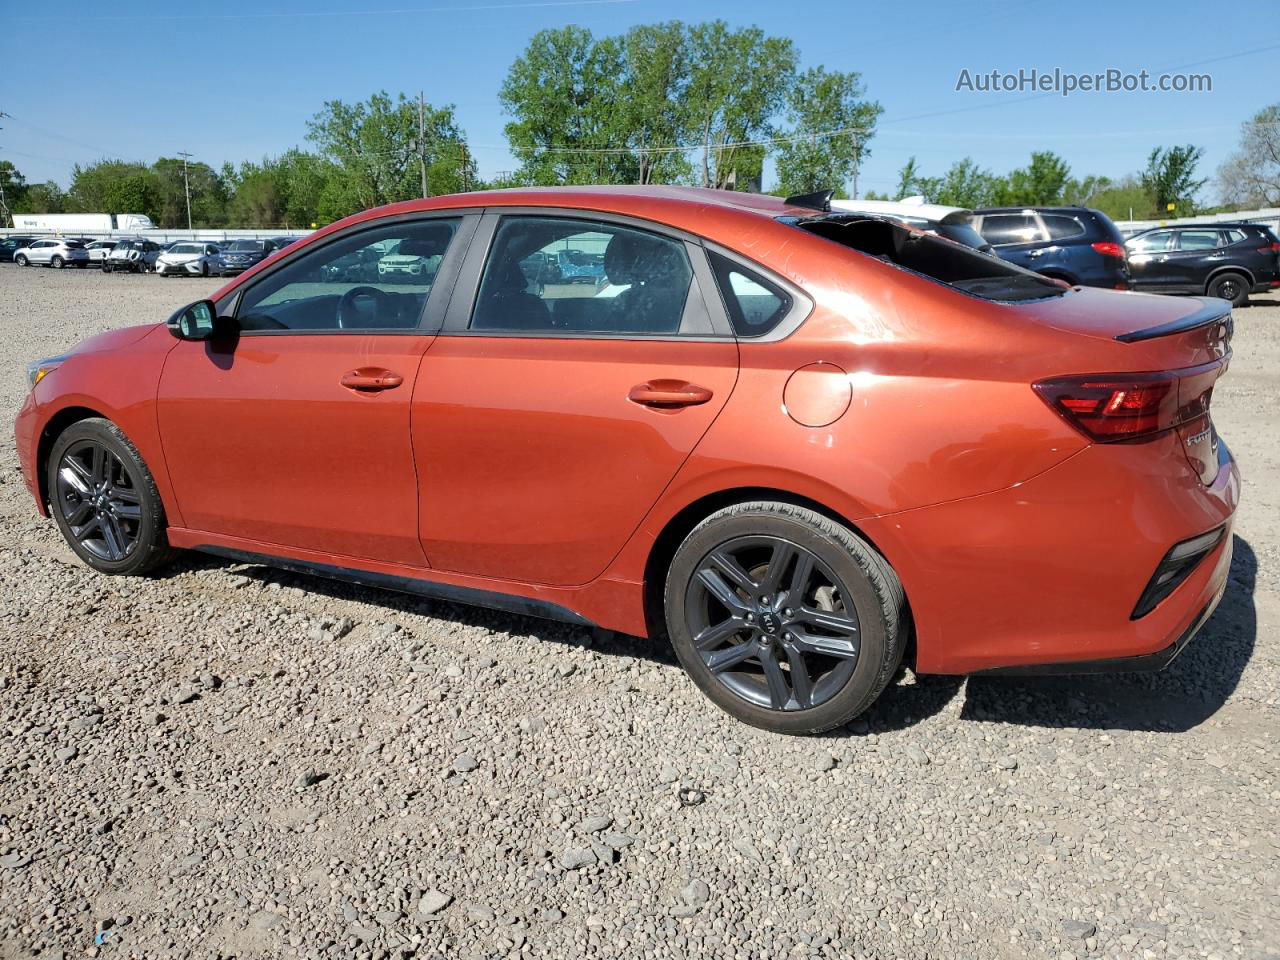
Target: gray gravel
pixel 228 760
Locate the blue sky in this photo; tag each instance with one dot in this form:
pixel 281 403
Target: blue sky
pixel 237 80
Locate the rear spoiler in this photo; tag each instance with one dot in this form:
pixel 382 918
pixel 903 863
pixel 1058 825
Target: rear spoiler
pixel 818 200
pixel 1212 310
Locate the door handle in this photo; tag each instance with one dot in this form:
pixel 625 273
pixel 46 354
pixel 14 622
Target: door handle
pixel 668 393
pixel 371 378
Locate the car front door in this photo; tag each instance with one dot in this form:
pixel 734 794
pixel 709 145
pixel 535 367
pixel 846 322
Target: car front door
pixel 553 410
pixel 296 432
pixel 42 251
pixel 1148 255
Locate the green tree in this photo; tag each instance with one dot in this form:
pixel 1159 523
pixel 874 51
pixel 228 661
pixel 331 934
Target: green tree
pixel 114 186
pixel 738 81
pixel 964 184
pixel 208 194
pixel 1250 177
pixel 821 101
pixel 564 94
pixel 656 62
pixel 44 197
pixel 1042 183
pixel 1125 199
pixel 1170 178
pixel 375 143
pixel 13 190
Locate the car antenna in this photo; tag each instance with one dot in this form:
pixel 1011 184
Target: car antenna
pixel 818 200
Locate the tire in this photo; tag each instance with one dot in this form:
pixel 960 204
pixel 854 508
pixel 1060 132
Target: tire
pixel 106 267
pixel 57 262
pixel 21 260
pixel 204 270
pixel 846 636
pixel 1230 286
pixel 120 528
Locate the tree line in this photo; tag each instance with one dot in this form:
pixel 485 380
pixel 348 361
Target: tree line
pixel 701 104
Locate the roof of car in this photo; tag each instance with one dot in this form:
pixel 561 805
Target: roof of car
pixel 1060 209
pixel 1216 225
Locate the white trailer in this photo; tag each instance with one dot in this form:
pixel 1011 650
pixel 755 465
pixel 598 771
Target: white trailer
pixel 79 222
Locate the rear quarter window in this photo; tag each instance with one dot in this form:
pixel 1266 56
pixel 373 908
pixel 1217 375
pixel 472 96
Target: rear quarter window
pixel 1062 226
pixel 756 305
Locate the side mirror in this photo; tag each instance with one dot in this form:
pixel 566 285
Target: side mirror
pixel 200 321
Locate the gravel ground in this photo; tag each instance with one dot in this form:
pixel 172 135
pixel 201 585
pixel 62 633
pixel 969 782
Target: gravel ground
pixel 231 761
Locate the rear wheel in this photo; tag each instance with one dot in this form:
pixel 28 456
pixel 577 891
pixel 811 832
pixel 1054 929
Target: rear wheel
pixel 786 619
pixel 1230 286
pixel 57 262
pixel 104 499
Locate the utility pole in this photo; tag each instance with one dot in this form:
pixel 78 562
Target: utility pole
pixel 4 204
pixel 857 152
pixel 186 184
pixel 466 164
pixel 422 144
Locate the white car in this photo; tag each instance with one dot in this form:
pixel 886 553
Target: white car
pixel 191 259
pixel 53 252
pixel 950 223
pixel 98 251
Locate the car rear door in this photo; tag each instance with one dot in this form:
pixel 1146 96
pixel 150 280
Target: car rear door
pixel 296 434
pixel 551 412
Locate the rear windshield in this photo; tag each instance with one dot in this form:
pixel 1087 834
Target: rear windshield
pixel 73 244
pixel 943 261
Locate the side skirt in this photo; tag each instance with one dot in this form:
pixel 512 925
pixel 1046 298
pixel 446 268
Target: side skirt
pixel 526 606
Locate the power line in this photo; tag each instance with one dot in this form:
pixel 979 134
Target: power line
pixel 398 11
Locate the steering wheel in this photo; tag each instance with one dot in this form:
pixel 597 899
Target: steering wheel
pixel 350 318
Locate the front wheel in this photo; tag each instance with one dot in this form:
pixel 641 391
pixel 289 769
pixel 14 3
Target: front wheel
pixel 21 260
pixel 784 618
pixel 104 499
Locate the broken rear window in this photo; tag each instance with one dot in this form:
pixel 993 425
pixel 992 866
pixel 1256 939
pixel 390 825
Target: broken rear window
pixel 953 264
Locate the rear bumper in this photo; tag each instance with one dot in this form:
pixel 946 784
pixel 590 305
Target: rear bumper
pixel 1046 575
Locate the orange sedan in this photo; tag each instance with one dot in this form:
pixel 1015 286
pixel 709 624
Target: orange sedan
pixel 803 445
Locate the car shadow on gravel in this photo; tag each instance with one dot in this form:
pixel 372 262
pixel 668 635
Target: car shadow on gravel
pixel 1179 698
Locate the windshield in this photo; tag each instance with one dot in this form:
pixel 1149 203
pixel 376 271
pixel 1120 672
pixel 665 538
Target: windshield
pixel 961 267
pixel 246 246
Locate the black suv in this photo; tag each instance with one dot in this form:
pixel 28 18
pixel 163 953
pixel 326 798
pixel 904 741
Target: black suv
pixel 1075 244
pixel 1227 260
pixel 9 244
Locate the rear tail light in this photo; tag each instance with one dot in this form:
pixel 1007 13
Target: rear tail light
pixel 1175 568
pixel 1130 407
pixel 1270 248
pixel 1108 249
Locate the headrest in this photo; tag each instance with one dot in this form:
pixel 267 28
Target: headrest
pixel 636 258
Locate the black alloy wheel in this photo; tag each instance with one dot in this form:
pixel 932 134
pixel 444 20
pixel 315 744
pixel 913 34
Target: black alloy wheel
pixel 783 617
pixel 769 620
pixel 104 499
pixel 100 500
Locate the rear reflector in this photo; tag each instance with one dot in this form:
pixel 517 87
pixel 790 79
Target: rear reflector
pixel 1108 249
pixel 1175 568
pixel 1131 407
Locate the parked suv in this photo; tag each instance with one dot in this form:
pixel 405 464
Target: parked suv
pixel 98 250
pixel 11 245
pixel 1075 244
pixel 53 252
pixel 1227 260
pixel 136 256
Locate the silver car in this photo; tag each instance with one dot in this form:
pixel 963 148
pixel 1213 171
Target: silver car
pixel 98 251
pixel 191 259
pixel 52 252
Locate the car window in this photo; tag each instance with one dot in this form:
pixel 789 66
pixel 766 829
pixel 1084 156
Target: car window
pixel 755 304
pixel 1062 226
pixel 354 283
pixel 1005 228
pixel 1151 242
pixel 1199 239
pixel 552 275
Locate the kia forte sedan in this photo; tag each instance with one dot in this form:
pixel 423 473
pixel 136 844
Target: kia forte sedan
pixel 802 445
